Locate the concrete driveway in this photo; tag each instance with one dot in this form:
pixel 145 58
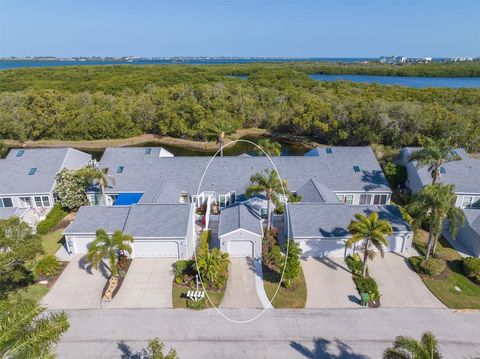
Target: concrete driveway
pixel 148 284
pixel 400 286
pixel 241 289
pixel 79 287
pixel 329 283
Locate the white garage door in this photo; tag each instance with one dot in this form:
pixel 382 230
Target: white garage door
pixel 240 248
pixel 395 244
pixel 322 247
pixel 81 244
pixel 155 249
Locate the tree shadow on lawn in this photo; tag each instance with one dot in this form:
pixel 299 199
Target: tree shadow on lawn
pixel 323 348
pixel 128 353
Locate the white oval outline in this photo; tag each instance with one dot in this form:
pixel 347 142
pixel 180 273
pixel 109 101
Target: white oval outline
pixel 288 231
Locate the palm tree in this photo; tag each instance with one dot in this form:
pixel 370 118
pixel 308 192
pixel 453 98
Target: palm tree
pixel 109 246
pixel 268 183
pixel 25 332
pixel 372 232
pixel 211 266
pixel 410 348
pixel 272 148
pixel 102 176
pixel 434 154
pixel 434 204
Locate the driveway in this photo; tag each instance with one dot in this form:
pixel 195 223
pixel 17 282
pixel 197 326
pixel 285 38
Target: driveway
pixel 329 283
pixel 148 284
pixel 241 289
pixel 79 287
pixel 400 286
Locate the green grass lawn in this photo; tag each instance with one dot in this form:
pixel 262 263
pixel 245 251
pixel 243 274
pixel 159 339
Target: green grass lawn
pixel 295 297
pixel 52 241
pixel 179 290
pixel 444 289
pixel 34 292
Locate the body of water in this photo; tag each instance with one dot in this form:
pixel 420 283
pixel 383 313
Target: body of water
pixel 418 82
pixel 12 64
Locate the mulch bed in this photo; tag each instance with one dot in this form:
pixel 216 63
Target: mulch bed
pixel 120 281
pixel 52 279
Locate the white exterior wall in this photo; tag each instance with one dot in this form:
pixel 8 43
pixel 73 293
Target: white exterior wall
pixel 242 235
pixel 191 234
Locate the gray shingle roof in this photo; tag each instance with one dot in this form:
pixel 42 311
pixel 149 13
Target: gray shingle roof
pixel 155 220
pixel 14 178
pixel 6 213
pixel 163 179
pixel 464 174
pixel 239 216
pixel 472 216
pixel 332 220
pixel 312 192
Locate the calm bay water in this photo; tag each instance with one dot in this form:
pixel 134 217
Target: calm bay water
pixel 418 82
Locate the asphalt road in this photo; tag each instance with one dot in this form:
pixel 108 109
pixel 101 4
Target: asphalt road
pixel 326 333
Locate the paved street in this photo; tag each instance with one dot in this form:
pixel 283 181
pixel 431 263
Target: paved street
pixel 148 284
pixel 327 333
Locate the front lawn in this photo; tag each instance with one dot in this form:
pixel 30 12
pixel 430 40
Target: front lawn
pixel 294 297
pixel 52 242
pixel 180 301
pixel 444 288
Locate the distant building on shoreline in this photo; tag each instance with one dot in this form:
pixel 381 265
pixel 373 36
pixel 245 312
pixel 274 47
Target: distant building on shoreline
pixel 398 60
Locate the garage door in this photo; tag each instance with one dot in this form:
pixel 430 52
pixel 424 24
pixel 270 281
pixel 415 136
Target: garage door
pixel 395 244
pixel 155 249
pixel 322 247
pixel 81 244
pixel 240 248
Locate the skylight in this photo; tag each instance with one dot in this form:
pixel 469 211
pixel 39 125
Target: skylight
pixel 329 150
pixel 148 151
pixel 120 169
pixel 20 153
pixel 356 169
pixel 442 170
pixel 32 171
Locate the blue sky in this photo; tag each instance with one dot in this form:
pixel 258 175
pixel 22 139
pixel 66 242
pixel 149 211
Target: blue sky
pixel 310 28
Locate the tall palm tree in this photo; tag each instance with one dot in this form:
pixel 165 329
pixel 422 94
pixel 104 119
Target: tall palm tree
pixel 105 246
pixel 410 348
pixel 272 148
pixel 26 333
pixel 434 154
pixel 433 205
pixel 102 176
pixel 268 183
pixel 372 232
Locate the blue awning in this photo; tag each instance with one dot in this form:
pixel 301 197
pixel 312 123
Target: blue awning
pixel 126 199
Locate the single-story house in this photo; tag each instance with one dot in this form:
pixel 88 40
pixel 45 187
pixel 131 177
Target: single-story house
pixel 322 229
pixel 469 234
pixel 28 177
pixel 159 230
pixel 240 231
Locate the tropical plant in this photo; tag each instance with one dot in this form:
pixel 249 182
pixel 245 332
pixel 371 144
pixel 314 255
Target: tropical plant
pixel 269 147
pixel 47 266
pixel 155 350
pixel 434 153
pixel 71 184
pixel 102 177
pixel 410 348
pixel 18 247
pixel 56 214
pixel 106 246
pixel 268 183
pixel 212 267
pixel 433 205
pixel 3 149
pixel 25 332
pixel 372 232
pixel 292 263
pixel 471 268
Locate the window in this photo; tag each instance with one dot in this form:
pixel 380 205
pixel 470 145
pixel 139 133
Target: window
pixel 120 169
pixel 20 153
pixel 25 202
pixel 380 199
pixel 38 201
pixel 365 198
pixel 263 213
pixel 222 201
pixel 232 197
pixel 6 202
pixel 470 202
pixel 466 201
pixel 476 202
pixel 348 199
pixel 148 151
pixel 329 150
pixel 43 201
pixel 46 201
pixel 32 171
pixel 356 169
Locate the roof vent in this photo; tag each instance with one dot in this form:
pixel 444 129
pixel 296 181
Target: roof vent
pixel 356 169
pixel 20 153
pixel 120 169
pixel 32 171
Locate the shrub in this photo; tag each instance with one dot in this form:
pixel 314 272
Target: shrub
pixel 292 265
pixel 396 174
pixel 471 268
pixel 432 266
pixel 415 263
pixel 55 215
pixel 180 270
pixel 354 263
pixel 204 244
pixel 367 285
pixel 47 266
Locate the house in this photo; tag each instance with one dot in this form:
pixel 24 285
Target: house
pixel 27 179
pixel 159 230
pixel 322 229
pixel 464 174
